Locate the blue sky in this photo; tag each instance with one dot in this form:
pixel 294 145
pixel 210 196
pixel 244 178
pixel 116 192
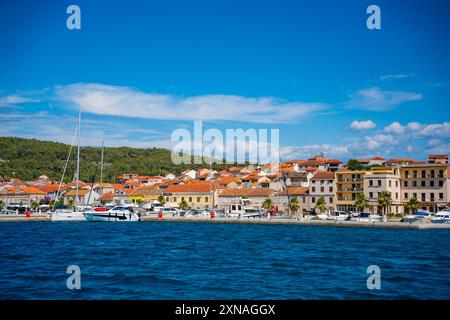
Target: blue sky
pixel 140 69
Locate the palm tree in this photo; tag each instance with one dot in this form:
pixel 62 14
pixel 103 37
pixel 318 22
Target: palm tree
pixel 71 203
pixel 183 205
pixel 162 199
pixel 293 206
pixel 361 203
pixel 412 205
pixel 321 205
pixel 267 204
pixel 384 200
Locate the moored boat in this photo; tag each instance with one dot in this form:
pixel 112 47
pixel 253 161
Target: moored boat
pixel 441 217
pixel 115 214
pixel 417 216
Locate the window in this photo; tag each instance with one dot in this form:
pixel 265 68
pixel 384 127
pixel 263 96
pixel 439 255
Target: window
pixel 441 195
pixel 331 189
pixel 431 183
pixel 405 183
pixel 370 183
pixel 396 195
pixel 331 200
pixel 406 174
pixel 424 175
pixel 396 183
pixel 182 198
pixel 174 199
pixel 432 174
pixel 441 183
pixel 406 195
pixel 414 183
pixel 304 199
pixel 379 183
pixel 313 199
pixel 198 199
pixel 422 183
pixel 415 195
pixel 432 196
pixel 441 173
pixel 167 199
pixel 322 189
pixel 370 194
pixel 190 199
pixel 206 199
pixel 423 196
pixel 390 183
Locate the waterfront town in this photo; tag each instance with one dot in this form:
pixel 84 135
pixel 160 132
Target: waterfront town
pixel 384 186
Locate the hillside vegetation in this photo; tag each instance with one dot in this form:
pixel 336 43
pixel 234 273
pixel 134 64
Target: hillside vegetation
pixel 29 158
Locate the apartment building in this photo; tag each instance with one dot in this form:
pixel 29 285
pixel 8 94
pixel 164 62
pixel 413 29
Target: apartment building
pixel 322 185
pixel 381 179
pixel 428 183
pixel 349 185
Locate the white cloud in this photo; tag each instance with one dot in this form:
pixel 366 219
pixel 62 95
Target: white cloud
pixel 128 102
pixel 14 99
pixel 302 152
pixel 375 99
pixel 396 76
pixel 394 127
pixel 434 142
pixel 362 125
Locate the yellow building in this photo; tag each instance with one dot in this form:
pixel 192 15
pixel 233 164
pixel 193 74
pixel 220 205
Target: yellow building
pixel 201 195
pixel 144 194
pixel 349 185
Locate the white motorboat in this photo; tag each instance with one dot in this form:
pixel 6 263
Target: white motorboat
pixel 116 214
pixel 417 216
pixel 441 217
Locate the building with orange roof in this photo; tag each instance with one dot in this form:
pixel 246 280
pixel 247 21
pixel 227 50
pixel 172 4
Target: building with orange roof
pixel 254 197
pixel 283 197
pixel 85 197
pixel 322 186
pixel 20 194
pixel 145 193
pixel 196 195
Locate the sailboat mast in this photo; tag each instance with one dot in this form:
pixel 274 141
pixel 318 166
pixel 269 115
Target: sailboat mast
pixel 78 163
pixel 101 168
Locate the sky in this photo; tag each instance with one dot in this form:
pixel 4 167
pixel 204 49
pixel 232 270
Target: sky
pixel 138 70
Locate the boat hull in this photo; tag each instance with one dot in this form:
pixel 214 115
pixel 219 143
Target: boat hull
pixel 67 216
pixel 107 216
pixel 440 221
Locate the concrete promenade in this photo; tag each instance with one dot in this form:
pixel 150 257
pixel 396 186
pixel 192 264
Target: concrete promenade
pixel 274 221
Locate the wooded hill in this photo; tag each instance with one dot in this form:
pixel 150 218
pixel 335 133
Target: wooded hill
pixel 28 159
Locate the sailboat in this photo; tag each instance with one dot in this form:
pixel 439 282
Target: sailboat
pixel 70 214
pixel 114 214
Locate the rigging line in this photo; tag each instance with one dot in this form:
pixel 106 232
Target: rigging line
pixel 65 168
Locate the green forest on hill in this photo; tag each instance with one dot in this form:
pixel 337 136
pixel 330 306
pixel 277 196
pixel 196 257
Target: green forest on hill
pixel 28 159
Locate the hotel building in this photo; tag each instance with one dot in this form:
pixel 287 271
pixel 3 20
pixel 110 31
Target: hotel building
pixel 428 183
